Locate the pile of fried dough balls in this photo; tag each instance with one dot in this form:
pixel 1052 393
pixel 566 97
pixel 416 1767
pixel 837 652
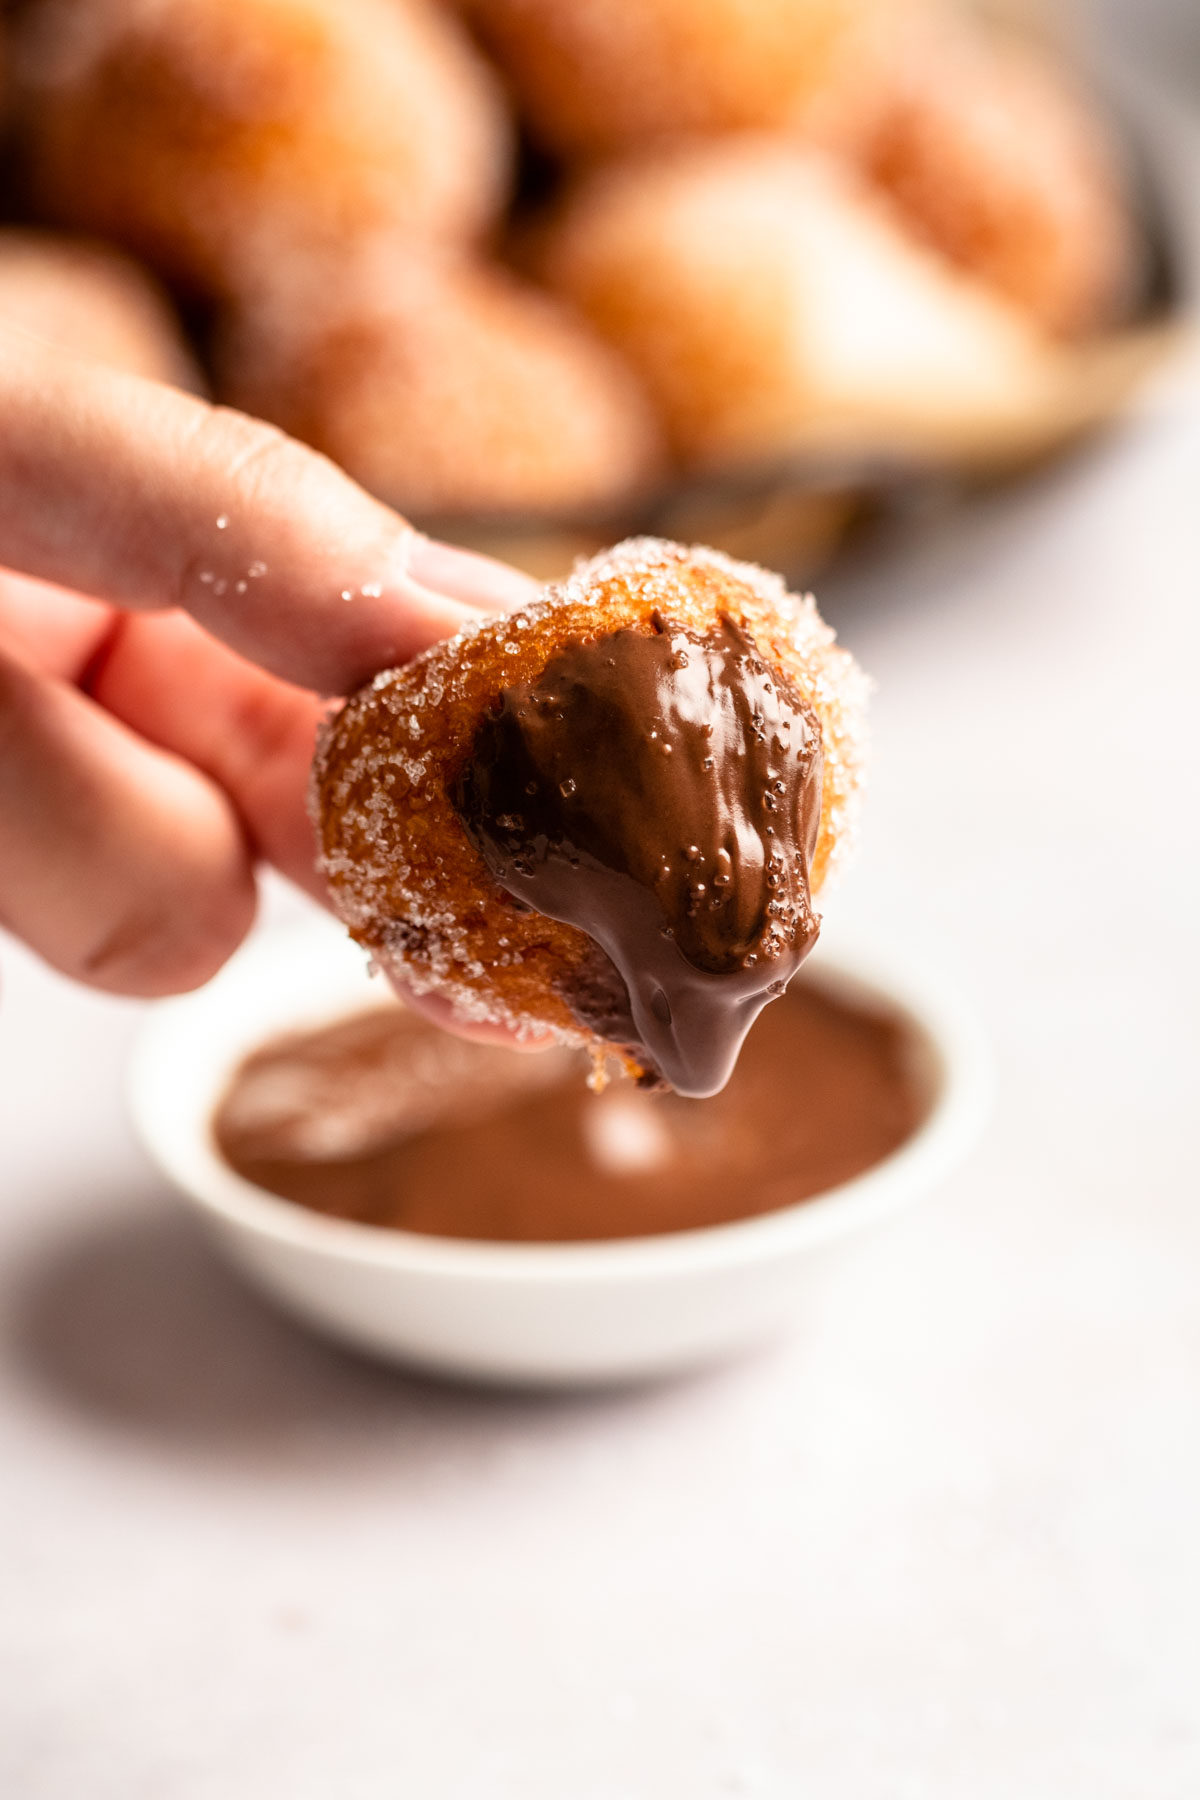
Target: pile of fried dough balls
pixel 540 257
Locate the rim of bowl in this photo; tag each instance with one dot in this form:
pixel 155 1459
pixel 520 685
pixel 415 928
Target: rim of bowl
pixel 175 1127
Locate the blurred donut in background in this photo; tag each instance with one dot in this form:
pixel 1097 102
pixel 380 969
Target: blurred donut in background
pixel 87 298
pixel 985 145
pixel 771 304
pixel 201 133
pixel 996 160
pixel 597 76
pixel 821 240
pixel 443 385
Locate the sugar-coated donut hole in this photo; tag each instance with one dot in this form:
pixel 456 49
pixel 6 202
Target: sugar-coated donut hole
pixel 995 157
pixel 403 873
pixel 594 79
pixel 445 385
pixel 206 134
pixel 774 304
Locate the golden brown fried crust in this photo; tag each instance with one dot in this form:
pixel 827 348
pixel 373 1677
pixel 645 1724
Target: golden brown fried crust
pixel 202 133
pixel 403 873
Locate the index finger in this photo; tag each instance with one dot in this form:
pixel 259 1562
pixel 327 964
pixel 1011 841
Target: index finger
pixel 145 497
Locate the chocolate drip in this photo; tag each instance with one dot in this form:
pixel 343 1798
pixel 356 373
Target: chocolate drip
pixel 662 791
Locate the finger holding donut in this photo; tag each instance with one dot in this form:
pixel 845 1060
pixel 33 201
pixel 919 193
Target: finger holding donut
pixel 151 759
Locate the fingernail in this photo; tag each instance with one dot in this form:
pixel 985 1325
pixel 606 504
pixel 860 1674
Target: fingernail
pixel 466 576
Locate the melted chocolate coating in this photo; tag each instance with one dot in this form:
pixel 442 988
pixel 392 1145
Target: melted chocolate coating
pixel 661 791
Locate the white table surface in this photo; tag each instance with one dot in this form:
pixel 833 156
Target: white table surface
pixel 943 1543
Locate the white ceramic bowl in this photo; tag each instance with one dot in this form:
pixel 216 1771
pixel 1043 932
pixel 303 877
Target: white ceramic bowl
pixel 554 1314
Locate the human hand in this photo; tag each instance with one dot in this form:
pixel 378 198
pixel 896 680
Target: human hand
pixel 179 585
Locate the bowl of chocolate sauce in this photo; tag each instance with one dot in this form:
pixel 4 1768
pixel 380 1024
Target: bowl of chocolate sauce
pixel 486 1214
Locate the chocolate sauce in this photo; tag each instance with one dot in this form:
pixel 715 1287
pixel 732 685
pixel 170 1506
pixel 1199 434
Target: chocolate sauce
pixel 660 790
pixel 516 1148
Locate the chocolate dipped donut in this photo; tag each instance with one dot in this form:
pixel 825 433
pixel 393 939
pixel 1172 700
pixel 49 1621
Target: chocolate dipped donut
pixel 604 817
